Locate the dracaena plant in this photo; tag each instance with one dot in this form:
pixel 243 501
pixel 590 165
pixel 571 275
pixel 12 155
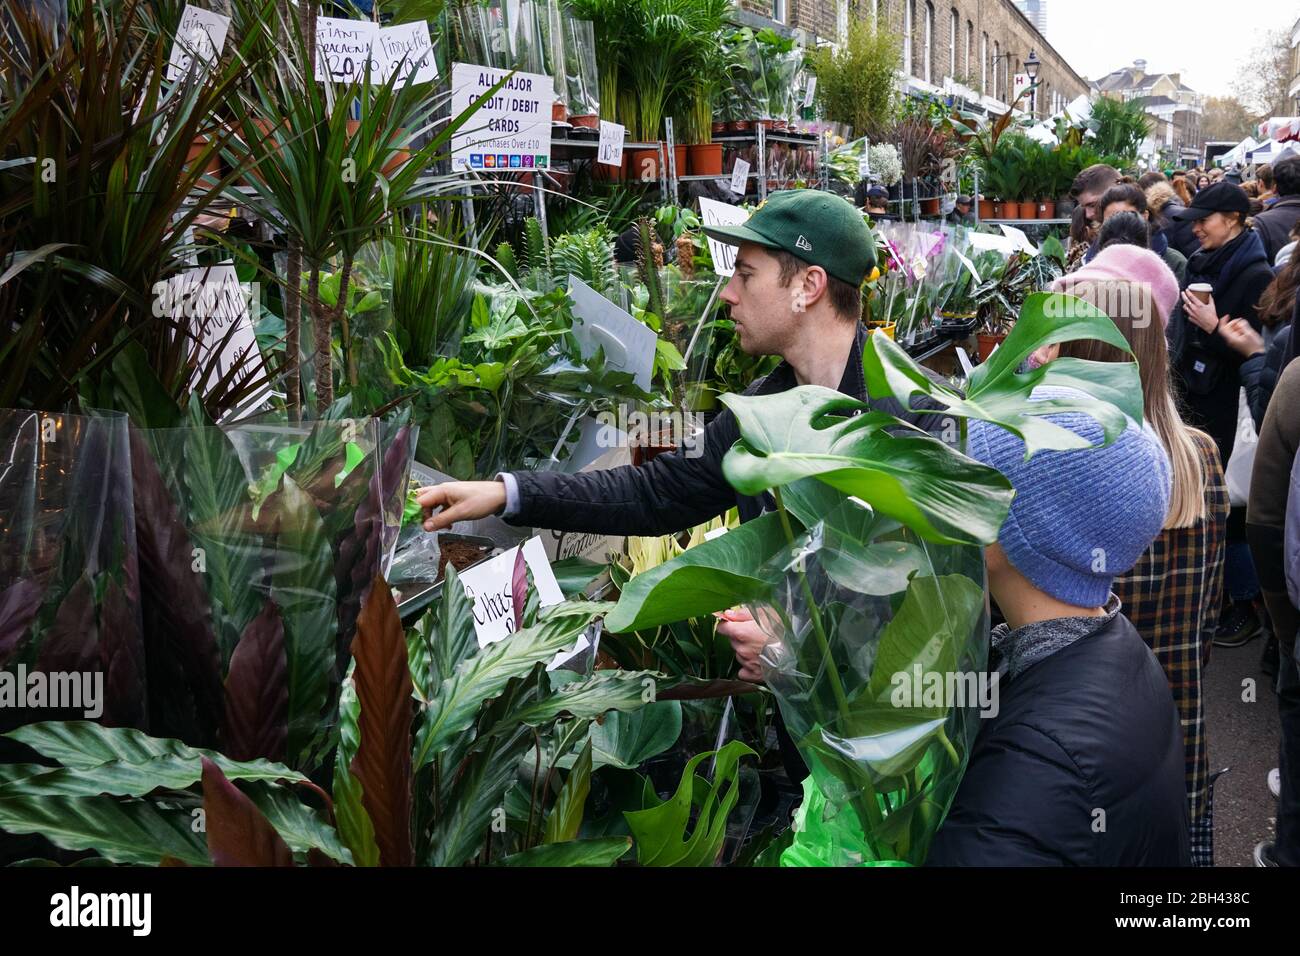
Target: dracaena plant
pixel 867 568
pixel 102 184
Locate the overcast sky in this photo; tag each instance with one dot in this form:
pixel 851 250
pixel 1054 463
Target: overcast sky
pixel 1208 41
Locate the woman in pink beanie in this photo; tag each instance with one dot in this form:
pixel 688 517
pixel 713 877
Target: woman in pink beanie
pixel 1127 264
pixel 1172 595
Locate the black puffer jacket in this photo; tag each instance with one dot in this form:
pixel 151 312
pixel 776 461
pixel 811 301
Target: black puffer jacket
pixel 674 492
pixel 1082 766
pixel 1274 224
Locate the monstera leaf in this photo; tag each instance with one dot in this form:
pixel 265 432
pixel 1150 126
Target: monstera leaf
pixel 1111 391
pixel 804 433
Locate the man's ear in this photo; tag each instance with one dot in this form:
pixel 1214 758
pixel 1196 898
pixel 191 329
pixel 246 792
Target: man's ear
pixel 809 289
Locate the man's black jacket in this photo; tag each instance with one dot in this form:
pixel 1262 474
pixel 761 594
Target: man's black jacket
pixel 674 492
pixel 1082 766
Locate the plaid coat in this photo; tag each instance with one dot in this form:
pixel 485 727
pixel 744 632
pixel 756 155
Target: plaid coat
pixel 1172 597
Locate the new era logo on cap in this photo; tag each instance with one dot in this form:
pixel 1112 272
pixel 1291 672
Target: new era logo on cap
pixel 802 243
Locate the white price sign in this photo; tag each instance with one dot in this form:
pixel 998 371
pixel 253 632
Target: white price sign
pixel 740 177
pixel 714 213
pixel 611 144
pixel 512 129
pixel 201 35
pixel 344 48
pixel 487 586
pixel 407 49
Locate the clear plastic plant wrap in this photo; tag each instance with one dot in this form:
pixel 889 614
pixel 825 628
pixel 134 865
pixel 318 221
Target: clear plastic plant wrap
pixel 581 77
pixel 69 574
pixel 877 660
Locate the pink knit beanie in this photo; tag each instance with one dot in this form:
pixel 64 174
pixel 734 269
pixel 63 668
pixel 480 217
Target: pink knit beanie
pixel 1125 263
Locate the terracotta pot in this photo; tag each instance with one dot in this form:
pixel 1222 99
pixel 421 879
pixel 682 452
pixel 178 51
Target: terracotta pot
pixel 1011 210
pixel 679 158
pixel 610 174
pixel 1046 210
pixel 706 159
pixel 739 126
pixel 559 113
pixel 395 162
pixel 986 343
pixel 766 123
pixel 999 209
pixel 213 169
pixel 720 128
pixel 643 165
pixel 930 207
pixel 586 121
pixel 986 209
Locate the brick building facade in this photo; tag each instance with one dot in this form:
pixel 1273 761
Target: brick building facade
pixel 972 47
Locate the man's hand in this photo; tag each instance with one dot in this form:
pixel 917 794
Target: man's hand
pixel 1203 314
pixel 1242 337
pixel 460 501
pixel 747 640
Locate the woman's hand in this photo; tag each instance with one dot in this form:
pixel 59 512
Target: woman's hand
pixel 1242 337
pixel 1203 314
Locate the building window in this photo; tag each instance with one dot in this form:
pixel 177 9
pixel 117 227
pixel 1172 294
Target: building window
pixel 842 20
pixel 984 64
pixel 909 8
pixel 970 42
pixel 927 53
pixel 954 27
pixel 996 61
pixel 778 11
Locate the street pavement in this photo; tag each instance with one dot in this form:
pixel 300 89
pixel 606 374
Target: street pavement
pixel 1242 736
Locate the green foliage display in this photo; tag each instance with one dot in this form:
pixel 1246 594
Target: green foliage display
pixel 857 84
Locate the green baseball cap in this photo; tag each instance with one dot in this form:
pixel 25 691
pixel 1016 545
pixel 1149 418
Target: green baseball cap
pixel 818 227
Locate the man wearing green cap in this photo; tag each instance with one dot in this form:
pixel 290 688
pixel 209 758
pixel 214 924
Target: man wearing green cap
pixel 803 257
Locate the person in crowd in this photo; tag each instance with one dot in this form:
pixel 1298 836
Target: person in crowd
pixel 1083 232
pixel 1203 182
pixel 1121 229
pixel 1265 351
pixel 1147 180
pixel 1274 224
pixel 1267 191
pixel 1216 175
pixel 1124 198
pixel 796 293
pixel 1086 724
pixel 1233 175
pixel 1256 204
pixel 1090 185
pixel 1172 594
pixel 1233 263
pixel 1183 190
pixel 1162 200
pixel 1284 254
pixel 1274 540
pixel 961 214
pixel 878 204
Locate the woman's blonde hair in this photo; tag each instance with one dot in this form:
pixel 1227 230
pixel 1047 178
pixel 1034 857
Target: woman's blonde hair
pixel 1132 308
pixel 1160 195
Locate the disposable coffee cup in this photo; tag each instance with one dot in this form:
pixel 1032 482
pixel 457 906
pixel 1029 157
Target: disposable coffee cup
pixel 1202 291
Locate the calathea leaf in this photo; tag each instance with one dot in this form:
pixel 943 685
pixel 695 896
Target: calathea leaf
pixel 480 789
pixel 600 851
pixel 354 826
pixel 565 818
pixel 938 492
pixel 382 765
pixel 18 606
pixel 1112 391
pixel 485 675
pixel 302 584
pixel 257 692
pixel 301 827
pixel 133 831
pixel 238 833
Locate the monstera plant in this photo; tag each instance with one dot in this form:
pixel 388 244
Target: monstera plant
pixel 866 572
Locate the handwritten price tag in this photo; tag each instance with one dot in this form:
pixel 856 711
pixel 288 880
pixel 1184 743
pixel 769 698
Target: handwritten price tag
pixel 740 177
pixel 201 36
pixel 611 144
